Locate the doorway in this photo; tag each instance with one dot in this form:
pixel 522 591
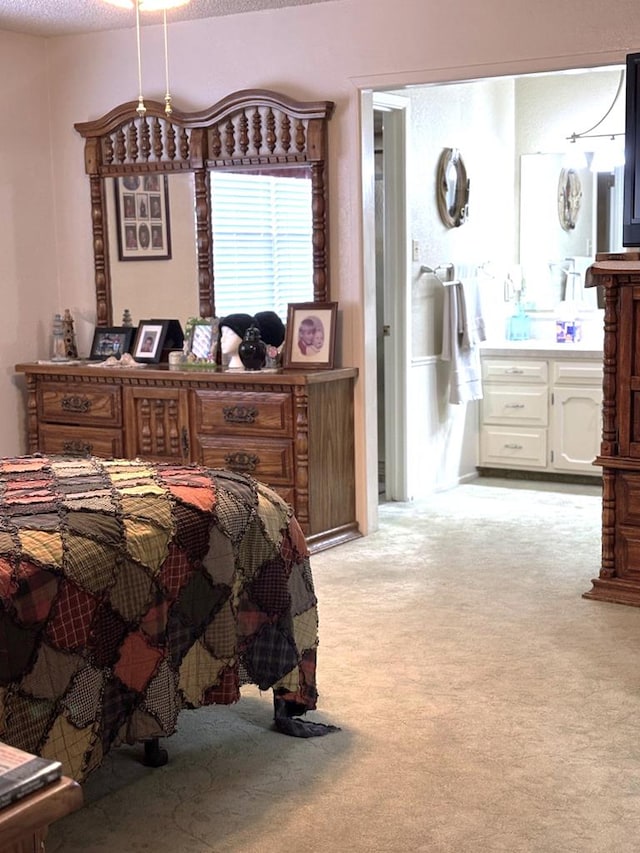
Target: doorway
pixel 392 293
pixel 401 390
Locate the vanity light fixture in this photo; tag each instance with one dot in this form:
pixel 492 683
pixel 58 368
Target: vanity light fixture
pixel 588 134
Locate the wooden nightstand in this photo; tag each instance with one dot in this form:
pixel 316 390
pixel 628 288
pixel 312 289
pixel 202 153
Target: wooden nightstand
pixel 24 824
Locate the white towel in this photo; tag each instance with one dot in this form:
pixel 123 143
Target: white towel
pixel 463 330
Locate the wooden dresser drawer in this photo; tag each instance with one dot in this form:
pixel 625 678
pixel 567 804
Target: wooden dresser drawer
pixel 526 405
pixel 242 413
pixel 78 404
pixel 513 448
pixel 268 460
pixel 81 441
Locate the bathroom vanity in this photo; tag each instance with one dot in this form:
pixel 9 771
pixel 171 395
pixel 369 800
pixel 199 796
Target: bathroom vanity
pixel 541 409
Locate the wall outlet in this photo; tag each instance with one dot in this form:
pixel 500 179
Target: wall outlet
pixel 415 250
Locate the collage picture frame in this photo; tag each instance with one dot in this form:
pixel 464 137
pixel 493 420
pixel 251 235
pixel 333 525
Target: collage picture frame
pixel 142 216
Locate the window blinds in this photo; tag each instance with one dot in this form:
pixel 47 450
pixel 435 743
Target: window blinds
pixel 262 242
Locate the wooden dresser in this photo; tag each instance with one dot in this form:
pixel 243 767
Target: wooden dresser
pixel 25 823
pixel 292 429
pixel 619 579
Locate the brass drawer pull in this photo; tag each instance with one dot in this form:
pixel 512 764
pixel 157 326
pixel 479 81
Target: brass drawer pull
pixel 242 461
pixel 77 448
pixel 76 404
pixel 514 406
pixel 514 447
pixel 240 414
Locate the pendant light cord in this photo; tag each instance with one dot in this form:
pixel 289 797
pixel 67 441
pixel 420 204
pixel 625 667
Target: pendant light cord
pixel 141 108
pixel 167 98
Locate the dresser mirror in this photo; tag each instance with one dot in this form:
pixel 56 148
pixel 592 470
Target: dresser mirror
pixel 248 132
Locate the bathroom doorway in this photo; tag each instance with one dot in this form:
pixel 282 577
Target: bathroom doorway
pixel 392 293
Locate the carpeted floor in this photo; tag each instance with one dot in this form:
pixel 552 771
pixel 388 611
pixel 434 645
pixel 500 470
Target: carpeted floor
pixel 485 706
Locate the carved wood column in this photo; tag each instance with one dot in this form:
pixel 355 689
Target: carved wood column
pixel 301 439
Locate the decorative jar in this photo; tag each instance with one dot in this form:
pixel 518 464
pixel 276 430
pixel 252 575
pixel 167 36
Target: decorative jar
pixel 252 349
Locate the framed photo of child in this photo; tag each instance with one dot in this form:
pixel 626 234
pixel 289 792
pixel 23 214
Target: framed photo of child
pixel 310 340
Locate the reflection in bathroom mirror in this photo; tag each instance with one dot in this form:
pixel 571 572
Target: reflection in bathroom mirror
pixel 553 258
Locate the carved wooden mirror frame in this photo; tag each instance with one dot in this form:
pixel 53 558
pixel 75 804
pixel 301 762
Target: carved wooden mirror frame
pixel 247 130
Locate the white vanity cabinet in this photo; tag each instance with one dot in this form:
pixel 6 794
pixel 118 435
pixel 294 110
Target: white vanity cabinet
pixel 541 410
pixel 575 415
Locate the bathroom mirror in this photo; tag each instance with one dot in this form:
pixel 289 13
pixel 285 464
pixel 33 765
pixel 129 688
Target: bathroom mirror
pixel 246 131
pixel 452 188
pixel 545 242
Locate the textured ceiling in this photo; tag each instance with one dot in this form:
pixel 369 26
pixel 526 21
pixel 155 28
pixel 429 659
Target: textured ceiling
pixel 67 17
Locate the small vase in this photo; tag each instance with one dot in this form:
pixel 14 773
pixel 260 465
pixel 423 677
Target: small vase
pixel 252 350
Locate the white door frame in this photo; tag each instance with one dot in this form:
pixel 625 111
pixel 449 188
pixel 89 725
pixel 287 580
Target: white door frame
pixel 397 292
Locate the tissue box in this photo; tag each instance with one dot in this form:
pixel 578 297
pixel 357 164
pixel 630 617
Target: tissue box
pixel 568 331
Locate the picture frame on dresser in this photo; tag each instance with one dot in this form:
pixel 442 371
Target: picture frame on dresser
pixel 310 339
pixel 142 217
pixel 150 338
pixel 110 341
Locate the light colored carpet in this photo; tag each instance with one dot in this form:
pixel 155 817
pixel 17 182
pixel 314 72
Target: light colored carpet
pixel 484 705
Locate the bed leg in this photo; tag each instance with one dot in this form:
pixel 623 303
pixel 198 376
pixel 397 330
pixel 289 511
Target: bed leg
pixel 284 708
pixel 154 755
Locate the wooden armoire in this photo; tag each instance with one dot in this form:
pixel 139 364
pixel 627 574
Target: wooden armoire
pixel 618 275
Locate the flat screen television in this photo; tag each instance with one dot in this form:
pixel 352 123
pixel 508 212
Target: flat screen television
pixel 631 196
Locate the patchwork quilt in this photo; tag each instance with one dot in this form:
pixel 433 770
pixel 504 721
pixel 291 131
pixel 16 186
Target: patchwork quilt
pixel 129 591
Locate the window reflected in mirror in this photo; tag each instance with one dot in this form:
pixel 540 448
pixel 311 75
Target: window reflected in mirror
pixel 262 241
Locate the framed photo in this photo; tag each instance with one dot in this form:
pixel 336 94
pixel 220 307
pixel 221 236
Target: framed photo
pixel 150 339
pixel 142 214
pixel 203 337
pixel 111 340
pixel 311 334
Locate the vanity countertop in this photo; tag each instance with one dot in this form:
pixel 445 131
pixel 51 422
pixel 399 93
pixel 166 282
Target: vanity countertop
pixel 542 349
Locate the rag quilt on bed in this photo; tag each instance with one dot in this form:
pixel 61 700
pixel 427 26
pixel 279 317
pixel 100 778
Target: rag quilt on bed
pixel 129 591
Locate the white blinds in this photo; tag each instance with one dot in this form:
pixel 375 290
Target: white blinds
pixel 262 242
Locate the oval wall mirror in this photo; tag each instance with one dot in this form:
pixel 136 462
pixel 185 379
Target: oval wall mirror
pixel 569 198
pixel 452 188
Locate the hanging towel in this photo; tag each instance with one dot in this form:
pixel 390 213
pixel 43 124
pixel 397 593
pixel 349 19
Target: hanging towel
pixel 463 330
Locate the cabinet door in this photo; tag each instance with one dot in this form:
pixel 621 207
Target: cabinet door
pixel 627 392
pixel 157 424
pixel 576 429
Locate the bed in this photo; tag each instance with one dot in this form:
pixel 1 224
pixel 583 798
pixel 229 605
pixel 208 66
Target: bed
pixel 130 591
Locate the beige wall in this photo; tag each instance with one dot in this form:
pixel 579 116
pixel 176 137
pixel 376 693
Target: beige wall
pixel 329 50
pixel 28 257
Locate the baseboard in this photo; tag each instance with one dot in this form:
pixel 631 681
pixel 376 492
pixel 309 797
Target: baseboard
pixel 542 476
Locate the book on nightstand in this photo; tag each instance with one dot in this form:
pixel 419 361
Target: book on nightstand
pixel 22 773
